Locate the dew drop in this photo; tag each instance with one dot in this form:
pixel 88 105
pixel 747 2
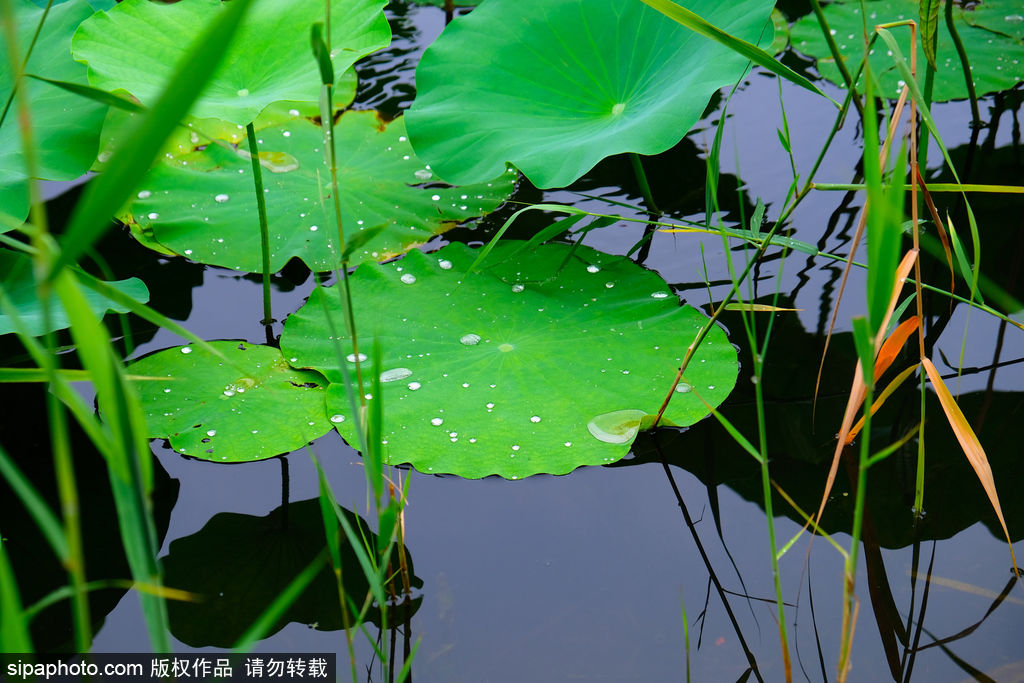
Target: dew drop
pixel 337 419
pixel 490 406
pixel 153 216
pixel 293 112
pixel 244 92
pixel 436 197
pixel 145 194
pixel 221 198
pixel 313 228
pixel 413 386
pixel 186 349
pixel 593 269
pixel 351 358
pixel 659 295
pixel 408 278
pixel 535 418
pixel 515 288
pixel 445 264
pixel 437 422
pixel 395 374
pixel 683 388
pixel 619 426
pixel 609 285
pixel 568 444
pixel 470 339
pixel 424 174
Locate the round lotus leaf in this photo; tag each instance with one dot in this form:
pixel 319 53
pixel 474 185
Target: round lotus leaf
pixel 65 126
pixel 997 61
pixel 218 408
pixel 554 86
pixel 137 45
pixel 204 206
pixel 514 369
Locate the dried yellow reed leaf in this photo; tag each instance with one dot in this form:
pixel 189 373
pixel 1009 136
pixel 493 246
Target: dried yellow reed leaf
pixel 972 447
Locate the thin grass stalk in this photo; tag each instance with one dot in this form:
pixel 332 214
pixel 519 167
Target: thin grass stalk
pixel 866 354
pixel 129 461
pixel 321 45
pixel 851 83
pixel 641 179
pixel 24 60
pixel 915 181
pixel 14 633
pixel 261 208
pixel 74 562
pixel 758 354
pixel 331 530
pixel 965 65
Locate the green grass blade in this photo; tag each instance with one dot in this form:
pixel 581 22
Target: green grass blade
pixel 926 116
pixel 47 522
pixel 95 94
pixel 755 54
pixel 107 193
pixel 14 636
pixel 129 459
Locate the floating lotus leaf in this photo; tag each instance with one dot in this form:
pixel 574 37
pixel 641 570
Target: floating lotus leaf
pixel 500 371
pixel 207 211
pixel 997 60
pixel 65 126
pixel 240 563
pixel 1001 16
pixel 197 133
pixel 137 45
pixel 19 285
pixel 218 410
pixel 554 86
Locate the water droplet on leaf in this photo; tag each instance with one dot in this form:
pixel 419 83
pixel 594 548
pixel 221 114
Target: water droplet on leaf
pixel 619 426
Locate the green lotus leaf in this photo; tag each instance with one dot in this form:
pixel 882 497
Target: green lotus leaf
pixel 513 370
pixel 997 61
pixel 216 409
pixel 554 86
pixel 19 285
pixel 781 39
pixel 206 210
pixel 1001 16
pixel 195 133
pixel 236 562
pixel 65 126
pixel 136 46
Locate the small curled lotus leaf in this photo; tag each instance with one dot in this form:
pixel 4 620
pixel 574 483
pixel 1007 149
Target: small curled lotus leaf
pixel 215 408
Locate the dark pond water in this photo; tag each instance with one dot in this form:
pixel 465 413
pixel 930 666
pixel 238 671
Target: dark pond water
pixel 597 575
